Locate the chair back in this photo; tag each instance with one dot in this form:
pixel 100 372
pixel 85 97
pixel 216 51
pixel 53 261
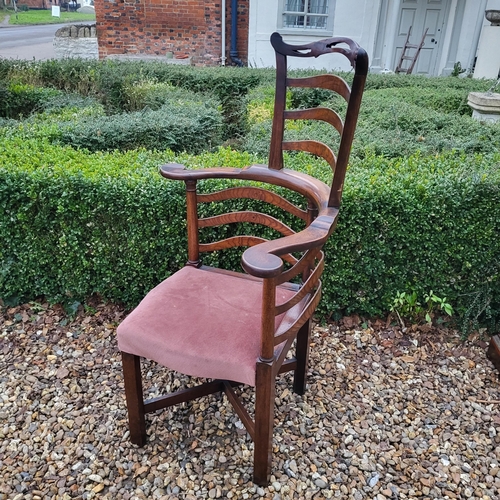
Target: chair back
pixel 294 255
pixel 345 127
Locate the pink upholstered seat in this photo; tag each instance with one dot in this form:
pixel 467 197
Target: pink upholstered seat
pixel 201 323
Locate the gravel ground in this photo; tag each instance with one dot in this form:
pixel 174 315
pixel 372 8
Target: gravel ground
pixel 390 413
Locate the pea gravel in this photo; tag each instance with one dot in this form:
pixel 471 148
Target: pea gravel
pixel 390 413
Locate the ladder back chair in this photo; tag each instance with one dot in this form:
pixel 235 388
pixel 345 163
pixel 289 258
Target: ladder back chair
pixel 236 328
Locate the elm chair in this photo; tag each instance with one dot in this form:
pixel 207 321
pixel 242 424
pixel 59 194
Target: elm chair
pixel 236 328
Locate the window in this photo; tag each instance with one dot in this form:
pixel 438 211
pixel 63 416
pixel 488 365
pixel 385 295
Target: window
pixel 307 14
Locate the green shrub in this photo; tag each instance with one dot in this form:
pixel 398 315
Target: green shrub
pixel 68 75
pixel 390 126
pixel 443 84
pixel 23 100
pixel 178 125
pixel 87 217
pixel 150 94
pixel 108 223
pixel 452 100
pixel 111 81
pixel 392 123
pixel 20 101
pixel 417 224
pixel 63 102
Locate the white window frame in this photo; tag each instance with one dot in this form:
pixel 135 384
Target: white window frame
pixel 327 30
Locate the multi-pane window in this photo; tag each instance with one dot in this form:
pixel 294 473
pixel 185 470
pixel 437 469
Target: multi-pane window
pixel 306 14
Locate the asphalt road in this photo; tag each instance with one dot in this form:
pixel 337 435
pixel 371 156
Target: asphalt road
pixel 28 42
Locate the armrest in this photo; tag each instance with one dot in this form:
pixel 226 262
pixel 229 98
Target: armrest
pixel 263 260
pixel 304 184
pixel 179 172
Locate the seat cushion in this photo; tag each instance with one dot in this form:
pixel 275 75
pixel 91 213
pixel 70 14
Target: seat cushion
pixel 201 323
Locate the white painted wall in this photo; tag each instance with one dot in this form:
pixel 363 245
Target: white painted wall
pixel 352 18
pixel 472 24
pixel 359 20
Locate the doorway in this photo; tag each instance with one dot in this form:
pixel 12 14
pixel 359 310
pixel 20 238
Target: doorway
pixel 422 14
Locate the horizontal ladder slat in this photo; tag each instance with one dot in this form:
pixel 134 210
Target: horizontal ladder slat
pixel 256 194
pixel 314 147
pixel 234 241
pixel 247 216
pixel 324 114
pixel 330 82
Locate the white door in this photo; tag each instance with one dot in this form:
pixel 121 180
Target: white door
pixel 421 14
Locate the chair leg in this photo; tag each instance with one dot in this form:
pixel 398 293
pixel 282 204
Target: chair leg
pixel 264 419
pixel 302 356
pixel 135 398
pixel 493 352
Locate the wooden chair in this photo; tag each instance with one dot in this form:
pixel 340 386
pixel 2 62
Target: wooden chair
pixel 232 327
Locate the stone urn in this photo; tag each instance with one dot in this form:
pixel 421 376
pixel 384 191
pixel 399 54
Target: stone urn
pixel 485 106
pixel 493 16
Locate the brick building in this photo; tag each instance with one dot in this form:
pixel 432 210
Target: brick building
pixel 184 28
pixel 32 4
pixel 194 28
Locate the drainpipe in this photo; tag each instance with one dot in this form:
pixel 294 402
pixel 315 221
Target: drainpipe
pixel 223 34
pixel 234 24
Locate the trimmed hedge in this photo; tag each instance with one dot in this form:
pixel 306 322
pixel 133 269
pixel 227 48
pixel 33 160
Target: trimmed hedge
pixel 96 223
pixel 108 223
pixel 392 123
pixel 23 100
pixel 418 224
pixel 180 125
pixel 185 121
pixel 110 81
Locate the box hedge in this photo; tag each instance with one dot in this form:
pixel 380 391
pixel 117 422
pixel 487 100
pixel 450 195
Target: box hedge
pixel 420 209
pixel 179 125
pixel 181 121
pixel 392 123
pixel 110 82
pixel 75 223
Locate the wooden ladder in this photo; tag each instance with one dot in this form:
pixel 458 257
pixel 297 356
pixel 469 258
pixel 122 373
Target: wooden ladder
pixel 412 58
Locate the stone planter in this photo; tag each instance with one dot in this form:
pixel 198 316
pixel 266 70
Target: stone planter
pixel 485 106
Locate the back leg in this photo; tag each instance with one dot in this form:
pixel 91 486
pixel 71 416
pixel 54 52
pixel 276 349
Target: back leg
pixel 302 356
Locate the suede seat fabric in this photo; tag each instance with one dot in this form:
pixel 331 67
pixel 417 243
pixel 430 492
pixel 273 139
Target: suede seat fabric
pixel 200 323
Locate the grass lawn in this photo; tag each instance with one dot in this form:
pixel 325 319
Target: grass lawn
pixel 45 17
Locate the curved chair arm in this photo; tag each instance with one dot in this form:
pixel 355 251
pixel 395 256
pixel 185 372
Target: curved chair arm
pixel 263 260
pixel 304 184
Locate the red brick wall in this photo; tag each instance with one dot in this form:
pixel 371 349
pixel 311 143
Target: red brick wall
pixel 156 27
pixel 39 4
